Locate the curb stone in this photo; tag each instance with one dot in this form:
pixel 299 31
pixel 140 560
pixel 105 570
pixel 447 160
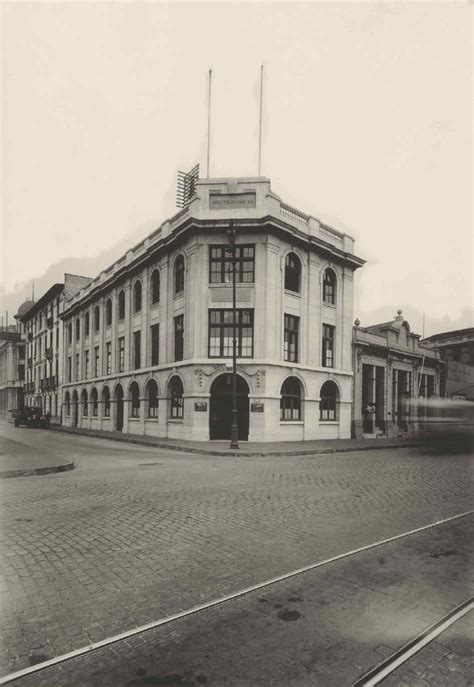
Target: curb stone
pixel 247 454
pixel 30 472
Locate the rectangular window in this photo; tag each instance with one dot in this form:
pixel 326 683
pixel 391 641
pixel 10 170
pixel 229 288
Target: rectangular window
pixel 328 345
pixel 220 264
pixel 96 361
pixel 69 369
pixel 155 344
pixel 290 350
pixel 137 353
pixel 108 357
pixel 77 367
pixel 57 337
pixel 179 337
pixel 121 356
pixel 221 333
pixel 86 364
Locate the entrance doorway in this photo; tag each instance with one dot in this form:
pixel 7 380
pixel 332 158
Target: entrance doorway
pixel 118 408
pixel 75 409
pixel 220 416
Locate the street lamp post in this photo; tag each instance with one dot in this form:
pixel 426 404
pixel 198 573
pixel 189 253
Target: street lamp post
pixel 234 431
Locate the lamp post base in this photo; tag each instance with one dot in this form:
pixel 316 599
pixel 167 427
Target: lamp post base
pixel 234 431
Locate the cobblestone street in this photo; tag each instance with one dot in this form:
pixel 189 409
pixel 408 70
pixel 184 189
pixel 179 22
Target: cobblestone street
pixel 136 533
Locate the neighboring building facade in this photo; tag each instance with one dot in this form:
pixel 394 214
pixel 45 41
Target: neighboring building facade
pixel 391 369
pixel 43 331
pixel 457 351
pixel 12 369
pixel 148 343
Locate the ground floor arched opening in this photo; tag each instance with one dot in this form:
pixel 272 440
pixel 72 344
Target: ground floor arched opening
pixel 220 416
pixel 118 394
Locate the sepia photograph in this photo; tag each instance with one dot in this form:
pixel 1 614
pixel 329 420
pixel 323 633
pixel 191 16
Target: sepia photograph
pixel 236 343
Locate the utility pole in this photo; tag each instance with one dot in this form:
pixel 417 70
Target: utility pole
pixel 234 431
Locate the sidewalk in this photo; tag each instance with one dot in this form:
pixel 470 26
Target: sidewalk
pixel 249 449
pixel 20 460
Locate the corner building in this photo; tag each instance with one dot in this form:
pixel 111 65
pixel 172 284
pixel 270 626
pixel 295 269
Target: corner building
pixel 148 343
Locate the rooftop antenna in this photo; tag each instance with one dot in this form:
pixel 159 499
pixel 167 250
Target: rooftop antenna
pixel 209 123
pixel 260 123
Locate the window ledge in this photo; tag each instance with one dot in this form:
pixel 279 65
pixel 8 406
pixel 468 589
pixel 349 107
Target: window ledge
pixel 291 422
pixel 228 284
pixel 296 294
pixel 151 419
pixel 329 305
pixel 134 419
pixel 174 421
pixel 328 422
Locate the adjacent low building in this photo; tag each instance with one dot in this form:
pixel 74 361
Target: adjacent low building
pixel 392 368
pixel 148 342
pixel 457 350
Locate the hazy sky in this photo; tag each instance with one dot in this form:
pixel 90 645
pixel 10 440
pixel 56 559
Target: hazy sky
pixel 367 124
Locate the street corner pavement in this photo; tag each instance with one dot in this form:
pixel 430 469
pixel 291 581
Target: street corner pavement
pixel 20 459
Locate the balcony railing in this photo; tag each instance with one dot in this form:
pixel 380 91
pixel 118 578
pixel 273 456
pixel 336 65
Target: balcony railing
pixel 29 388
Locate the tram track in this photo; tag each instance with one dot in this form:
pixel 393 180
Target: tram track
pixel 90 648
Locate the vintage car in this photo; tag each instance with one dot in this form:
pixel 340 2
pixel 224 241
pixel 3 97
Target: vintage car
pixel 31 417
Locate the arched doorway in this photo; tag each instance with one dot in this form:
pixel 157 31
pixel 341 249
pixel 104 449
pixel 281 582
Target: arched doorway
pixel 75 409
pixel 220 416
pixel 118 408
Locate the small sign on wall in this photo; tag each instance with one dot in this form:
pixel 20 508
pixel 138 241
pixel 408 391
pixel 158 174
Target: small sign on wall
pixel 200 406
pixel 257 407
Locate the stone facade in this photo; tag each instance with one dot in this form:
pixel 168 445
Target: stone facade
pixel 12 369
pixel 44 350
pixel 391 370
pixel 133 369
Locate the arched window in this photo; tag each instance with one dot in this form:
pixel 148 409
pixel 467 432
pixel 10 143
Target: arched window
pixel 106 401
pixel 152 398
pixel 175 395
pixel 96 318
pixel 329 399
pixel 292 273
pixel 67 403
pixel 329 287
pixel 135 397
pixel 290 402
pixel 137 296
pixel 121 305
pixel 69 333
pixel 179 274
pixel 78 329
pixel 94 402
pixel 85 406
pixel 108 313
pixel 86 324
pixel 155 287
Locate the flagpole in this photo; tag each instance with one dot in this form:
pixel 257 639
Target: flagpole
pixel 260 123
pixel 209 123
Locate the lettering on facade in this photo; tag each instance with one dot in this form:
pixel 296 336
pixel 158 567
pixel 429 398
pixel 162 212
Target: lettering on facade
pixel 200 407
pixel 224 201
pixel 257 407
